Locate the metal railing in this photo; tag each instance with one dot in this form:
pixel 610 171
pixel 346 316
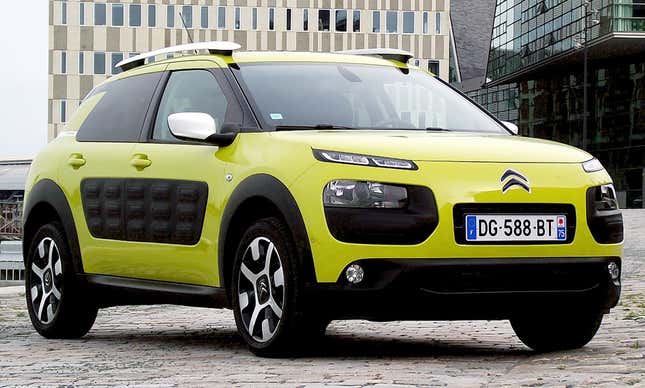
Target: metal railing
pixel 10 220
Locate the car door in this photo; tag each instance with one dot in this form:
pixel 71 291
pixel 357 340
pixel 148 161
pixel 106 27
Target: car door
pixel 184 179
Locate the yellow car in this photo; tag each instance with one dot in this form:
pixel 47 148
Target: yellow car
pixel 298 188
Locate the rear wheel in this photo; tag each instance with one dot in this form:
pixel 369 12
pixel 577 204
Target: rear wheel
pixel 557 331
pixel 56 303
pixel 267 292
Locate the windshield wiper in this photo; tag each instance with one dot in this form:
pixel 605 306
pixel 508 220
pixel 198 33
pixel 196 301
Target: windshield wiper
pixel 438 129
pixel 301 127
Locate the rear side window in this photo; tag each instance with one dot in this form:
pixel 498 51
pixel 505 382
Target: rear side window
pixel 119 114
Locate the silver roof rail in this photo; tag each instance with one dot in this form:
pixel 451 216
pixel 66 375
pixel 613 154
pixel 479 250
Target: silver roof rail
pixel 385 53
pixel 222 48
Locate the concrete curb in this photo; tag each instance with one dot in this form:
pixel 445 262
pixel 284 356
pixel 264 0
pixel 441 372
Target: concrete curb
pixel 14 290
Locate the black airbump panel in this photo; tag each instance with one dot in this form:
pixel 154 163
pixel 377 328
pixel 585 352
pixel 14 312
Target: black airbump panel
pixel 148 210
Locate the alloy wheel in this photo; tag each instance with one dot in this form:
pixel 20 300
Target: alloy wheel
pixel 46 280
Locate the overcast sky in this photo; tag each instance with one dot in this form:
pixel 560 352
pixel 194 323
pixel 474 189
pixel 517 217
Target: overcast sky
pixel 23 77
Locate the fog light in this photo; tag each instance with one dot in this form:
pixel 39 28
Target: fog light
pixel 613 270
pixel 354 274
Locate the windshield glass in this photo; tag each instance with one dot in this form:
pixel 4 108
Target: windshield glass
pixel 339 95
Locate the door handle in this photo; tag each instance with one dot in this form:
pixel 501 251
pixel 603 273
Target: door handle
pixel 76 160
pixel 140 161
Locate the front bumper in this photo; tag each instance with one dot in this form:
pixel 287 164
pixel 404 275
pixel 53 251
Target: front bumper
pixel 436 289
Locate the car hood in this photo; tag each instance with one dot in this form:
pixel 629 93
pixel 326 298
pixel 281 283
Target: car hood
pixel 439 146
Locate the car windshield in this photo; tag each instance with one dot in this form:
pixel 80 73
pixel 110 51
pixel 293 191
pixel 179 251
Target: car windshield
pixel 356 96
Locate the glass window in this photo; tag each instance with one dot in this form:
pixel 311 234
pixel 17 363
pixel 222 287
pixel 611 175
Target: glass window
pixel 63 111
pixel 437 23
pixel 99 63
pixel 120 110
pixel 254 18
pixel 341 20
pixel 271 19
pixel 204 17
pixel 190 91
pixel 425 22
pixel 63 13
pixel 187 14
pixel 238 17
pixel 135 15
pixel 323 20
pixel 376 21
pixel 288 19
pixel 408 22
pixel 391 22
pixel 170 16
pixel 221 17
pixel 305 19
pixel 63 62
pixel 81 14
pixel 357 21
pixel 433 67
pixel 116 58
pixel 81 62
pixel 360 96
pixel 152 15
pixel 99 14
pixel 117 14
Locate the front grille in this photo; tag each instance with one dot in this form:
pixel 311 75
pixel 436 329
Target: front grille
pixel 460 211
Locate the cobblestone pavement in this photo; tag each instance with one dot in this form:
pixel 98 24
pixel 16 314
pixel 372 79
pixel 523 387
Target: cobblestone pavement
pixel 170 345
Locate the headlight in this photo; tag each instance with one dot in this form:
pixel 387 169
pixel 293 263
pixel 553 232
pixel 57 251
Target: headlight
pixel 364 160
pixel 592 165
pixel 604 197
pixel 360 194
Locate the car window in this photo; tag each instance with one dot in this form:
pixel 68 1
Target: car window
pixel 120 112
pixel 190 91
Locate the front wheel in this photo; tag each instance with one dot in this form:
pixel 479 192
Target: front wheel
pixel 267 291
pixel 556 331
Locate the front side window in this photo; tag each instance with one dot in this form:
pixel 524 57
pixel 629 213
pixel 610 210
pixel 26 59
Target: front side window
pixel 117 14
pixel 391 22
pixel 119 110
pixel 341 20
pixel 376 21
pixel 359 97
pixel 135 15
pixel 99 14
pixel 323 20
pixel 190 91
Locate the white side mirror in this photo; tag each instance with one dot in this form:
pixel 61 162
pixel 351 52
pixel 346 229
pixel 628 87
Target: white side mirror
pixel 511 127
pixel 192 125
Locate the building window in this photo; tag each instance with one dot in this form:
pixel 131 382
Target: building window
pixel 63 62
pixel 63 111
pixel 341 20
pixel 408 22
pixel 117 14
pixel 187 15
pixel 135 15
pixel 238 17
pixel 152 15
pixel 81 14
pixel 425 22
pixel 170 16
pixel 437 23
pixel 376 21
pixel 81 62
pixel 305 19
pixel 204 17
pixel 99 63
pixel 433 67
pixel 221 17
pixel 116 58
pixel 99 14
pixel 254 18
pixel 323 20
pixel 356 21
pixel 271 19
pixel 63 13
pixel 391 22
pixel 288 19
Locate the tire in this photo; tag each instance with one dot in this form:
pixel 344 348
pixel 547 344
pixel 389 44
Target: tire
pixel 56 301
pixel 562 331
pixel 268 304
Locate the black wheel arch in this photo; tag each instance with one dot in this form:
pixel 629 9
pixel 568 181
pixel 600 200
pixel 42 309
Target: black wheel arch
pixel 256 197
pixel 45 203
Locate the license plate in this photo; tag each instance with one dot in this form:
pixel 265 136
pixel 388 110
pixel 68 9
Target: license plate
pixel 516 227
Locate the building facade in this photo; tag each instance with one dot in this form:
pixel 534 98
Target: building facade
pixel 535 74
pixel 88 38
